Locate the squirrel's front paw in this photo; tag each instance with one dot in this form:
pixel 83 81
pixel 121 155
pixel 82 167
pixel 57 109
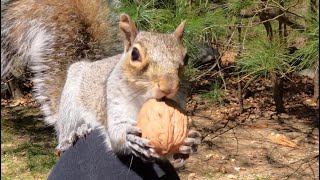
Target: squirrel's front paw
pixel 189 146
pixel 139 146
pixel 191 143
pixel 83 131
pixel 65 142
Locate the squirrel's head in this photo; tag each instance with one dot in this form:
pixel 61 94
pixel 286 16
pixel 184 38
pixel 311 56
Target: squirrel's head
pixel 153 61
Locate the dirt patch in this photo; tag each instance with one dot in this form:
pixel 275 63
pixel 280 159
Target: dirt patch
pixel 257 144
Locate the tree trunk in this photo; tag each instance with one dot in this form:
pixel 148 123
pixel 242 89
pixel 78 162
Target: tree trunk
pixel 313 6
pixel 280 31
pixel 14 89
pixel 285 34
pixel 239 53
pixel 190 5
pixel 316 85
pixel 281 24
pixel 278 92
pixel 268 27
pixel 313 9
pixel 240 96
pixel 263 16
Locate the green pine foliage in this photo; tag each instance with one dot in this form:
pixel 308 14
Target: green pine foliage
pixel 262 58
pixel 208 22
pixel 309 54
pixel 203 19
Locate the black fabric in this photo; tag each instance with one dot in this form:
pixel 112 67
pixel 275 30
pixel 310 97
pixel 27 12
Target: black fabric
pixel 89 159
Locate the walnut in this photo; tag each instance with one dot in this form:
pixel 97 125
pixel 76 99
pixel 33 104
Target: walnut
pixel 164 124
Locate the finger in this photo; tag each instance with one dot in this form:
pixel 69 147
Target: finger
pixel 146 151
pixel 153 153
pixel 134 124
pixel 145 155
pixel 194 134
pixel 140 141
pixel 139 155
pixel 180 156
pixel 191 141
pixel 194 149
pixel 136 149
pixel 134 130
pixel 178 163
pixel 185 149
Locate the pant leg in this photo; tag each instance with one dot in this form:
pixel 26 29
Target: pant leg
pixel 89 159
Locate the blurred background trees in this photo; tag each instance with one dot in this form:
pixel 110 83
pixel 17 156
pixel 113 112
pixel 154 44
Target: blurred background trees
pixel 246 40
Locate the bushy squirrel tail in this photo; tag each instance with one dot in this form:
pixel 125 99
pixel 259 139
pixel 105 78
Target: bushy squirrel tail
pixel 48 36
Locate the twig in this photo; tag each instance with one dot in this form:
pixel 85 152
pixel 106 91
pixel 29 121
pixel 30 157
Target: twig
pixel 314 175
pixel 225 131
pixel 305 160
pixel 212 131
pixel 247 26
pixel 286 10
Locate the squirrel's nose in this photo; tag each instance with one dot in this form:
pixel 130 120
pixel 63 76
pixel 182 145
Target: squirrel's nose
pixel 168 86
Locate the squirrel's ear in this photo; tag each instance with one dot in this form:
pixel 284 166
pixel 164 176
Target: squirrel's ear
pixel 180 30
pixel 128 30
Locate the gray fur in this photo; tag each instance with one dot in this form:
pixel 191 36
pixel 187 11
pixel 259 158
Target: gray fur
pixel 82 100
pixel 31 38
pixel 79 89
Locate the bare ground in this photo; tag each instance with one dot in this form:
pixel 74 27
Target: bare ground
pixel 257 144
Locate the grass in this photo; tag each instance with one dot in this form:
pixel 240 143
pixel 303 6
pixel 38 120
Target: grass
pixel 262 178
pixel 215 94
pixel 27 145
pixel 211 175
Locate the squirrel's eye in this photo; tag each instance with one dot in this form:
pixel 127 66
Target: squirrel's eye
pixel 135 55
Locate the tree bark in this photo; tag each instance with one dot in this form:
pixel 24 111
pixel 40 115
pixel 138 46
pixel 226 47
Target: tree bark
pixel 316 85
pixel 239 53
pixel 240 96
pixel 313 6
pixel 280 24
pixel 267 25
pixel 14 89
pixel 285 34
pixel 278 92
pixel 280 31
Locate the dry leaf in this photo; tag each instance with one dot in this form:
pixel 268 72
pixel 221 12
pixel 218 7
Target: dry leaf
pixel 282 140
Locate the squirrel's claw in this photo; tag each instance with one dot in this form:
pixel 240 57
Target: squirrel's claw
pixel 145 155
pixel 190 144
pixel 140 147
pixel 66 142
pixel 83 131
pixel 179 160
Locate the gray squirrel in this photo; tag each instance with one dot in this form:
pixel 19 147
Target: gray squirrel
pixel 81 79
